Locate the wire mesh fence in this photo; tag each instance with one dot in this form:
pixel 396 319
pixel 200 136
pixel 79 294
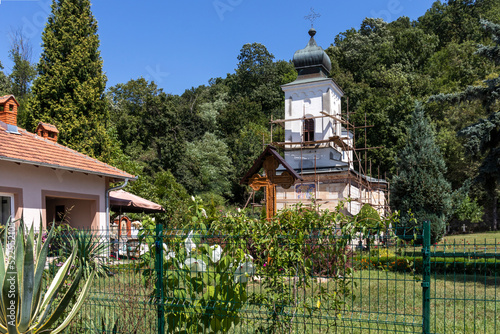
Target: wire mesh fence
pixel 176 281
pixel 465 297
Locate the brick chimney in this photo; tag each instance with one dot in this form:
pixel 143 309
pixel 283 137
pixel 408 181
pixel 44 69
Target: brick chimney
pixel 8 109
pixel 47 131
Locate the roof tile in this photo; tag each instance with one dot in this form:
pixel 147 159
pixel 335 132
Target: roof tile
pixel 6 98
pixel 47 127
pixel 26 147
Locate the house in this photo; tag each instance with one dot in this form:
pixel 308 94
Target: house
pixel 41 179
pixel 319 141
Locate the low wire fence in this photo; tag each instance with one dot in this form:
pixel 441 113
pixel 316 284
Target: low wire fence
pixel 171 281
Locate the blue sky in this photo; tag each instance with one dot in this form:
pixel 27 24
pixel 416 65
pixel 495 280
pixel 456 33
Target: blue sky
pixel 182 44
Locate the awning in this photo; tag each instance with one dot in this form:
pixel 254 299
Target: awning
pixel 122 201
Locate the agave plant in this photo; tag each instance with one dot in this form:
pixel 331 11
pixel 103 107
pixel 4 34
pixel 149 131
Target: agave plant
pixel 103 325
pixel 106 329
pixel 24 307
pixel 91 251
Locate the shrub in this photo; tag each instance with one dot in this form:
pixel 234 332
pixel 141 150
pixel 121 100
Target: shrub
pixel 439 265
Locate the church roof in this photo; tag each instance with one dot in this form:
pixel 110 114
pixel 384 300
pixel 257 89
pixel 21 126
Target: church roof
pixel 312 59
pixel 301 80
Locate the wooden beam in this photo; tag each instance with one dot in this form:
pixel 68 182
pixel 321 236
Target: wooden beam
pixel 302 200
pixel 294 119
pixel 364 126
pixel 343 121
pixel 369 148
pixel 346 147
pixel 311 143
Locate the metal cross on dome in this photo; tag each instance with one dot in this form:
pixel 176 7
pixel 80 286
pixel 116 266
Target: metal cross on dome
pixel 312 17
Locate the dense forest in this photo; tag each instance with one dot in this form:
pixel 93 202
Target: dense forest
pixel 203 141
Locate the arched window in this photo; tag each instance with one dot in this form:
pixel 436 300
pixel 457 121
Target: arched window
pixel 309 129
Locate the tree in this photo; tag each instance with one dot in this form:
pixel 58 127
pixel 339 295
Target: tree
pixel 259 78
pixel 456 20
pixel 378 67
pixel 23 71
pixel 244 103
pixel 162 188
pixel 420 186
pixel 69 89
pixel 4 82
pixel 207 166
pixel 483 137
pixel 148 124
pixel 368 217
pixel 254 67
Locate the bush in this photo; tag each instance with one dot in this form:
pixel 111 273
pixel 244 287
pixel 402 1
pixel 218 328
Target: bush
pixel 439 265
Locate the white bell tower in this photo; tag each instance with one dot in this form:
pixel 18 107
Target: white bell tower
pixel 314 135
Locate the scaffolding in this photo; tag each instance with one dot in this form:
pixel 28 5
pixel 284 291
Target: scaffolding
pixel 361 179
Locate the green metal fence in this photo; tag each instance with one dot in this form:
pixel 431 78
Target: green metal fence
pixel 464 295
pixel 394 287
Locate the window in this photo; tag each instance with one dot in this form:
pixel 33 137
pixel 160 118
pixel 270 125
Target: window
pixel 6 207
pixel 309 129
pixel 11 107
pixel 60 213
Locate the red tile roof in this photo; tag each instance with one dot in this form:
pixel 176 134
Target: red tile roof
pixel 6 98
pixel 27 148
pixel 47 127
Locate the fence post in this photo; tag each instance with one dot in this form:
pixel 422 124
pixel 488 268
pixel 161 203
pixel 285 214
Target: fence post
pixel 159 278
pixel 426 280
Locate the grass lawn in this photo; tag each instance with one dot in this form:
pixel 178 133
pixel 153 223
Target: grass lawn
pixel 480 238
pixel 459 304
pixel 122 299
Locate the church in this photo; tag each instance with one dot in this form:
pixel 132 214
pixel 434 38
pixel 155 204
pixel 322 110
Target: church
pixel 319 142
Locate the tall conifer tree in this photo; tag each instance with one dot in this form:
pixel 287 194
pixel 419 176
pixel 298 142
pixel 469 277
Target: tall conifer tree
pixel 69 89
pixel 420 185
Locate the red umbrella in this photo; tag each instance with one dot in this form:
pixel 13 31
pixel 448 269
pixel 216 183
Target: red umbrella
pixel 120 200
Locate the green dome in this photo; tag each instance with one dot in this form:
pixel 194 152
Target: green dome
pixel 312 59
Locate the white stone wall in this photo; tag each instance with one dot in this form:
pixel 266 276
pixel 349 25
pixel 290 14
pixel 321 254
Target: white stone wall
pixel 330 194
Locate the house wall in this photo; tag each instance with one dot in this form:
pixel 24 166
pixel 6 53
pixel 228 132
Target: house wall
pixel 79 212
pixel 33 185
pixel 328 190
